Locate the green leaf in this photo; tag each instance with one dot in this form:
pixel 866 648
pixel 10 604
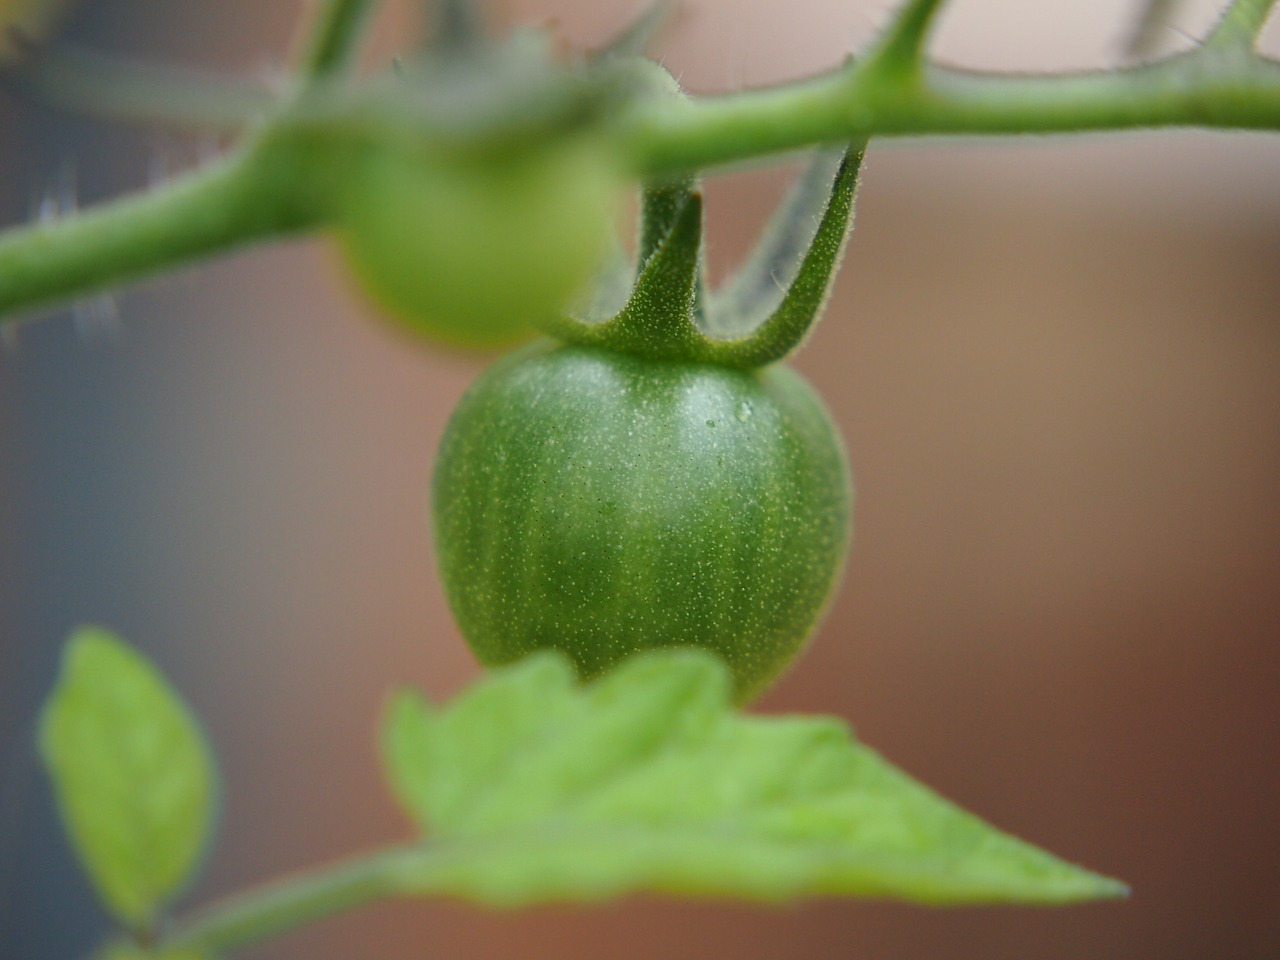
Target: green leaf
pixel 533 788
pixel 134 779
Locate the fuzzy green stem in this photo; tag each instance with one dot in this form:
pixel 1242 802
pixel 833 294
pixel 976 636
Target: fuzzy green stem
pixel 1191 90
pixel 266 193
pixel 334 39
pixel 1241 24
pixel 293 902
pixel 251 196
pixel 900 49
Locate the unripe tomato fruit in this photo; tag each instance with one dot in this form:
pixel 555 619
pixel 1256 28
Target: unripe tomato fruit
pixel 470 250
pixel 599 503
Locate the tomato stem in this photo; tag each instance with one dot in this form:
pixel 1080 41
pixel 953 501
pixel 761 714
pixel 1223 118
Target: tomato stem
pixel 1241 24
pixel 332 41
pixel 764 313
pixel 254 194
pixel 894 92
pixel 294 901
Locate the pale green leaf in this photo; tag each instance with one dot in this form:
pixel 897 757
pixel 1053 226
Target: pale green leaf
pixel 134 779
pixel 532 788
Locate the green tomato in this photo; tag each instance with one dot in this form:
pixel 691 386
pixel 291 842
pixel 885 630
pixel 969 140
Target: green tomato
pixel 600 503
pixel 472 250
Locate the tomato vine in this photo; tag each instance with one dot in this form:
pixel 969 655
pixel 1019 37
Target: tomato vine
pixel 294 144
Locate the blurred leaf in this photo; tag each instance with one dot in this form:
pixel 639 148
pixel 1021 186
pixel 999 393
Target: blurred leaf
pixel 533 789
pixel 406 743
pixel 134 779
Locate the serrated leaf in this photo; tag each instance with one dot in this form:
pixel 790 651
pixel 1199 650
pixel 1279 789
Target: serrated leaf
pixel 533 788
pixel 133 776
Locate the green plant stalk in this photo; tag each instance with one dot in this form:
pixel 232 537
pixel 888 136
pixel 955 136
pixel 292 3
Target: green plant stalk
pixel 1242 23
pixel 271 190
pixel 292 902
pixel 266 189
pixel 900 48
pixel 1207 88
pixel 255 194
pixel 334 39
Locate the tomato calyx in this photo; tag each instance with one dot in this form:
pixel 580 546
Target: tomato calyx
pixel 761 315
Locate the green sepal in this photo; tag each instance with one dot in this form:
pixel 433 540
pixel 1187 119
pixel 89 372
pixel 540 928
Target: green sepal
pixel 532 788
pixel 768 308
pixel 762 314
pixel 661 206
pixel 132 773
pixel 658 319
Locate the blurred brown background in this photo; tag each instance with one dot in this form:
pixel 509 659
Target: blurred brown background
pixel 1055 364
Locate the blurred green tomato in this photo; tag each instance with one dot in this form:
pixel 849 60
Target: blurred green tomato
pixel 472 251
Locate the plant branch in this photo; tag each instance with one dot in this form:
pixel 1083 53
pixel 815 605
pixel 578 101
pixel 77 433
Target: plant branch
pixel 900 49
pixel 1241 24
pixel 292 902
pixel 334 39
pixel 252 195
pixel 286 183
pixel 1190 90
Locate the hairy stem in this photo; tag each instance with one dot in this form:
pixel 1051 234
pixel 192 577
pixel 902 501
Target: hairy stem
pixel 251 196
pixel 292 902
pixel 900 48
pixel 894 92
pixel 334 39
pixel 1242 23
pixel 1190 90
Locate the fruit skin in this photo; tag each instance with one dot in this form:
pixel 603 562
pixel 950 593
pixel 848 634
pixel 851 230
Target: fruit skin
pixel 600 503
pixel 470 249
